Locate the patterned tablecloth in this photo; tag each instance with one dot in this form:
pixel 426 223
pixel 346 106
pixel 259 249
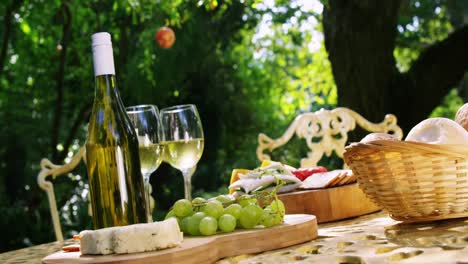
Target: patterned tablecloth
pixel 32 254
pixel 367 239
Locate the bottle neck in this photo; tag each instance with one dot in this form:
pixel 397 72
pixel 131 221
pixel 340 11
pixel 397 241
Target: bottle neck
pixel 106 86
pixel 107 93
pixel 104 71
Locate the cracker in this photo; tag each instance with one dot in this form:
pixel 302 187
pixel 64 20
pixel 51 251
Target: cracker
pixel 343 179
pixel 319 180
pixel 340 174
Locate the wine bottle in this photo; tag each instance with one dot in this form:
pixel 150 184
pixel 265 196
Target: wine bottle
pixel 115 180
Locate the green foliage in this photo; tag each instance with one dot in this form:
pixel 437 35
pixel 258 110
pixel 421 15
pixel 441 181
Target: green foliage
pixel 449 106
pixel 421 23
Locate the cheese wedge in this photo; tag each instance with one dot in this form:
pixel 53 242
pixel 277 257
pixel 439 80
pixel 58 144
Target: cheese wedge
pixel 132 238
pixel 235 176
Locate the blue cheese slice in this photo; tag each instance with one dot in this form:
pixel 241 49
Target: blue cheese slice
pixel 132 238
pixel 97 242
pixel 147 237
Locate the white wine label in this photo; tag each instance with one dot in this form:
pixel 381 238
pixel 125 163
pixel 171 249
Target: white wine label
pixel 103 58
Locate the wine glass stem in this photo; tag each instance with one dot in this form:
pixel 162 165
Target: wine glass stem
pixel 149 215
pixel 187 173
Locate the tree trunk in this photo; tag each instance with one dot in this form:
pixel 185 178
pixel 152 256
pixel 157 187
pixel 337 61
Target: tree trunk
pixel 60 79
pixel 7 31
pixel 81 117
pixel 360 39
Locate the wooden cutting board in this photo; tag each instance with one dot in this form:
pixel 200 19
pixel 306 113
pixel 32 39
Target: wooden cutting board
pixel 295 230
pixel 329 204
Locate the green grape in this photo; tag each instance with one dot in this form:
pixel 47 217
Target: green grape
pixel 198 204
pixel 227 223
pixel 199 215
pixel 184 224
pixel 208 226
pixel 169 214
pixel 234 210
pixel 214 200
pixel 245 200
pixel 213 209
pixel 278 206
pixel 193 224
pixel 269 217
pixel 278 217
pixel 250 216
pixel 198 201
pixel 182 208
pixel 225 199
pixel 269 222
pixel 259 211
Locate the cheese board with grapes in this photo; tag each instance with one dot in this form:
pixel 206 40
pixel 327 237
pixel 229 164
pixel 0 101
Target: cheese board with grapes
pixel 197 231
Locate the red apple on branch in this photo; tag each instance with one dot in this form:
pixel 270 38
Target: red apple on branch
pixel 165 37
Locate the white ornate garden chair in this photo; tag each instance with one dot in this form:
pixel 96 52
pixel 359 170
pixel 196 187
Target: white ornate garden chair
pixel 48 169
pixel 53 170
pixel 331 127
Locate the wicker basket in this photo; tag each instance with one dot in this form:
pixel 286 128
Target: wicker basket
pixel 414 182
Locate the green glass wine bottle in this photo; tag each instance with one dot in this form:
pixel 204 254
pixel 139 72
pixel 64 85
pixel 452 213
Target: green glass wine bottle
pixel 115 180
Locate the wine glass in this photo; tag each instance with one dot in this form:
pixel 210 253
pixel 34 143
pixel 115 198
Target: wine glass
pixel 145 120
pixel 183 140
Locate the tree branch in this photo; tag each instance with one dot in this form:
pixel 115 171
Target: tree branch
pixel 66 32
pixel 7 22
pixel 82 114
pixel 123 46
pixel 437 70
pixel 456 11
pixel 360 37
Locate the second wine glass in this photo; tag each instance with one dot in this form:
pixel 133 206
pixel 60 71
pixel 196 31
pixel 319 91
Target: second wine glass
pixel 183 140
pixel 145 119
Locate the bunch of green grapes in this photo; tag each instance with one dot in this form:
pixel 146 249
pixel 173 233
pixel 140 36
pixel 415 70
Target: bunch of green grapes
pixel 225 214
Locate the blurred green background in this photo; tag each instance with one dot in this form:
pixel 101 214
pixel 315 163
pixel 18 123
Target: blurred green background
pixel 250 66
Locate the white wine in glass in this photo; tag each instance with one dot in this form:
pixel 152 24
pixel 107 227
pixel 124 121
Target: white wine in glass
pixel 183 140
pixel 145 119
pixel 148 160
pixel 184 154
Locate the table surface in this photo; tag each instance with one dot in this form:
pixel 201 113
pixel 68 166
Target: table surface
pixel 374 238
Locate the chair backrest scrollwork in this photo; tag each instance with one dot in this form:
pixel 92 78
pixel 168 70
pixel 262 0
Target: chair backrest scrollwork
pixel 52 170
pixel 325 131
pixel 48 169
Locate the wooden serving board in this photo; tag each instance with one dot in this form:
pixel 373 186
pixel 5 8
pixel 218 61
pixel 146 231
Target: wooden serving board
pixel 295 230
pixel 329 204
